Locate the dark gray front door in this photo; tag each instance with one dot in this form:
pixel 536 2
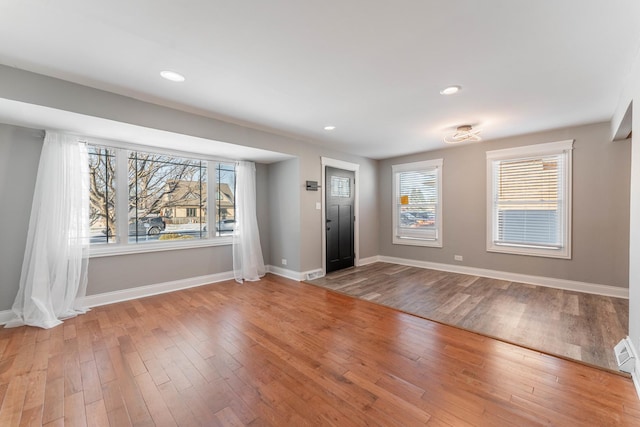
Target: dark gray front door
pixel 339 189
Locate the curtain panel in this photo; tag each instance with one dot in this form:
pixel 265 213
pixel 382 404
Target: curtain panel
pixel 54 269
pixel 248 263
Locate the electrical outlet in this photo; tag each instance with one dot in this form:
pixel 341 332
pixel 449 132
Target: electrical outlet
pixel 284 261
pixel 457 257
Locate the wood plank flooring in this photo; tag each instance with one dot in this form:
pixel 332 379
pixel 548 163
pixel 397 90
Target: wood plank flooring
pixel 283 353
pixel 570 324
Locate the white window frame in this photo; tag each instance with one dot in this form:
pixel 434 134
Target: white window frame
pixel 528 152
pixel 409 167
pixel 123 247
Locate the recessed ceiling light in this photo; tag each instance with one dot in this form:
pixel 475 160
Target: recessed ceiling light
pixel 172 75
pixel 329 127
pixel 450 90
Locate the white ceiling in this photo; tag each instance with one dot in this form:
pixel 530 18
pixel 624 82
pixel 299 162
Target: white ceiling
pixel 372 68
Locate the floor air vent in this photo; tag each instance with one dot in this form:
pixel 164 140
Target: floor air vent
pixel 625 356
pixel 314 274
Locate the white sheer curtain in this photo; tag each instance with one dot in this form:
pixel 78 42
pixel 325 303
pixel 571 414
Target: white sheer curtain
pixel 54 269
pixel 248 263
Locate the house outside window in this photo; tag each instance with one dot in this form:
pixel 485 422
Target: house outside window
pixel 529 200
pixel 140 197
pixel 417 203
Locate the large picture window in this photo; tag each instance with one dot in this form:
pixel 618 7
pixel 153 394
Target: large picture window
pixel 529 206
pixel 140 197
pixel 417 203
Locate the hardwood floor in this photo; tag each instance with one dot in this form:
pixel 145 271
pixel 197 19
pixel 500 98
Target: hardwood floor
pixel 570 324
pixel 283 353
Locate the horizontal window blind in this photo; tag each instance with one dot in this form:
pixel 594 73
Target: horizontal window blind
pixel 417 204
pixel 529 201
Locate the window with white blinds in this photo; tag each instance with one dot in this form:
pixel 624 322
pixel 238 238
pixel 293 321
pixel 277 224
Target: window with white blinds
pixel 417 206
pixel 529 205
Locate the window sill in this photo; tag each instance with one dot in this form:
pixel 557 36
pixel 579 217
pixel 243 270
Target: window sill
pixel 417 242
pixel 563 253
pixel 138 248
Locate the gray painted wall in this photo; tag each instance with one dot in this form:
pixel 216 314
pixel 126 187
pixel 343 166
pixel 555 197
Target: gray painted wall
pixel 601 180
pixel 284 212
pixel 369 220
pixel 19 156
pixel 116 273
pixel 262 209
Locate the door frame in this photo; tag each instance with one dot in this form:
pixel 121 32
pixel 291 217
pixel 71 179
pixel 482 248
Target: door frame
pixel 355 168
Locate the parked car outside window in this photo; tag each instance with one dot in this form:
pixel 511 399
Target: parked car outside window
pixel 148 225
pixel 226 225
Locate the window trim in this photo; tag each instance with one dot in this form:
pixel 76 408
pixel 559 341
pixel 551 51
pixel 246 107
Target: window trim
pixel 408 167
pixel 97 251
pixel 532 151
pixel 123 149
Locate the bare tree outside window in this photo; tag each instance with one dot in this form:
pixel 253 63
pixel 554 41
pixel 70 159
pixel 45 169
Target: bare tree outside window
pixel 102 165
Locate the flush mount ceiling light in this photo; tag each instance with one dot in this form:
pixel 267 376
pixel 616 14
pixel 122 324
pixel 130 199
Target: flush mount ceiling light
pixel 329 127
pixel 172 75
pixel 463 133
pixel 450 90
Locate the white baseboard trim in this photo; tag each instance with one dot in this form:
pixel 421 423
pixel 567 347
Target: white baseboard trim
pixel 550 282
pixel 289 274
pixel 149 290
pixel 369 260
pixel 140 292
